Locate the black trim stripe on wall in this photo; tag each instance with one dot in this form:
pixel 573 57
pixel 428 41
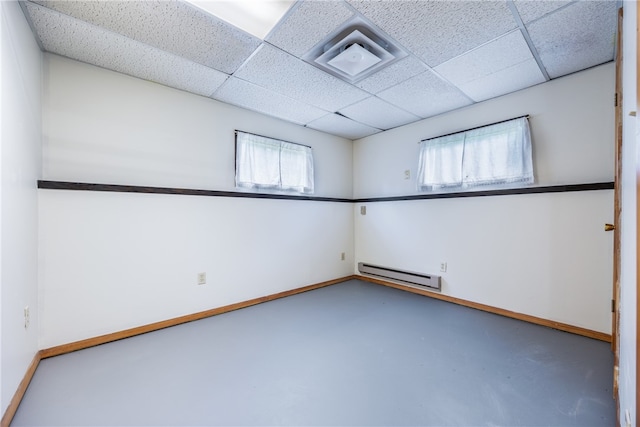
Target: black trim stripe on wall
pixel 82 186
pixel 501 192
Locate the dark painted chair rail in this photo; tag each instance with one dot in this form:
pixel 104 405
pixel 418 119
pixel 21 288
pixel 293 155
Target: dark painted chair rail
pixel 82 186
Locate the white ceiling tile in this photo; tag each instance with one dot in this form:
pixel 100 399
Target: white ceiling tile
pixel 342 126
pixel 439 30
pixel 397 72
pixel 75 39
pixel 504 52
pixel 425 95
pixel 530 10
pixel 579 36
pixel 308 24
pixel 519 76
pixel 280 72
pixel 247 95
pixel 378 113
pixel 174 26
pixel 473 44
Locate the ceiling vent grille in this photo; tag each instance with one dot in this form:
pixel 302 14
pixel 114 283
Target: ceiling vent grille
pixel 353 52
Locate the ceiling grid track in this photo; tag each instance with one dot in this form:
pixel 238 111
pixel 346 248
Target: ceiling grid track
pixel 527 37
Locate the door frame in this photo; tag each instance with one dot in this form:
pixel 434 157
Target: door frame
pixel 615 304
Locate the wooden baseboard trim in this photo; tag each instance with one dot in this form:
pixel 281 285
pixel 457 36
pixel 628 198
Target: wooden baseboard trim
pixel 502 312
pixel 22 389
pixel 115 336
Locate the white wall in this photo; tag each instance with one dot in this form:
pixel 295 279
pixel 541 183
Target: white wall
pixel 544 255
pixel 571 122
pixel 628 250
pixel 20 167
pixel 104 127
pixel 111 261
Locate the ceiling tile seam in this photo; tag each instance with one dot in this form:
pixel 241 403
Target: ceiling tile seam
pixel 428 69
pixel 117 34
pixel 338 113
pixel 495 72
pixel 337 28
pixel 399 107
pixel 441 77
pixel 352 104
pixel 262 113
pixel 383 100
pixel 250 57
pixel 356 12
pixel 527 38
pixel 478 47
pixel 571 3
pixel 271 91
pixel 226 79
pixel 292 56
pixel 375 92
pixel 359 122
pixel 410 55
pixel 282 20
pixel 381 129
pixel 304 62
pixel 216 18
pixel 344 135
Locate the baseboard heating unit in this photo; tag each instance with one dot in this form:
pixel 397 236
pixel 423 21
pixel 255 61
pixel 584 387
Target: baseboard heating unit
pixel 430 281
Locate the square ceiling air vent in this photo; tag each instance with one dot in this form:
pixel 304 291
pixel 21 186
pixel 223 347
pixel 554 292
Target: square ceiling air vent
pixel 353 52
pixel 353 59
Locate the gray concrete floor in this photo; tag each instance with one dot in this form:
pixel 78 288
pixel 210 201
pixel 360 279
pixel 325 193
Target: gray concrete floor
pixel 355 353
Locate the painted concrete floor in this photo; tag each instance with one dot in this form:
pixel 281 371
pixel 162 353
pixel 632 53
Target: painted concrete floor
pixel 352 354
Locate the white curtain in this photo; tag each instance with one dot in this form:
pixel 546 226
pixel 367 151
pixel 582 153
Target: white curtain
pixel 296 167
pixel 267 163
pixel 440 161
pixel 494 154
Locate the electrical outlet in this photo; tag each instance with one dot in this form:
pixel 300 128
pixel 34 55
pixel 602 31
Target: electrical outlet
pixel 342 256
pixel 443 267
pixel 363 210
pixel 27 317
pixel 202 278
pixel 407 174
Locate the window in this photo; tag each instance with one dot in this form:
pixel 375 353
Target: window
pixel 490 155
pixel 267 163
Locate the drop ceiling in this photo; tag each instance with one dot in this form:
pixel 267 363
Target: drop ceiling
pixel 458 53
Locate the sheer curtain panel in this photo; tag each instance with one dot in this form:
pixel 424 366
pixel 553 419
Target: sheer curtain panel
pixel 267 163
pixel 491 155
